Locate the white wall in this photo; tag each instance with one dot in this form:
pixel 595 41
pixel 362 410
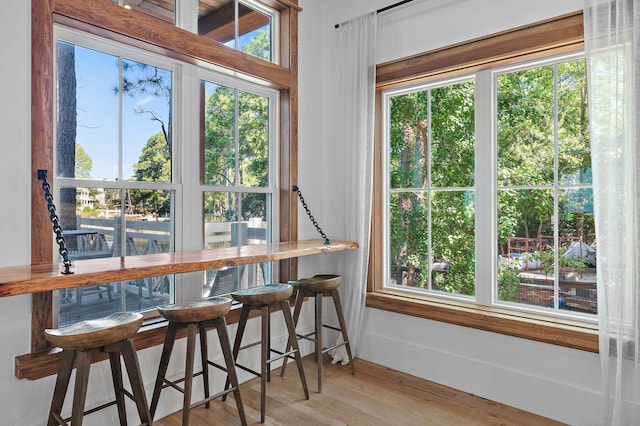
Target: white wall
pixel 552 381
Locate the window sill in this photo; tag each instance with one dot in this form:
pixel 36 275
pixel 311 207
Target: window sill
pixel 557 331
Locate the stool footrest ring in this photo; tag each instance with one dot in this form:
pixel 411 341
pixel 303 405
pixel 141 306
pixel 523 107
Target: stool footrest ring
pixel 211 398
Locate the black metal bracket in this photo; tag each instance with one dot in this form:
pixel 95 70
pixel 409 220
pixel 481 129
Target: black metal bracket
pixel 57 229
pixel 311 218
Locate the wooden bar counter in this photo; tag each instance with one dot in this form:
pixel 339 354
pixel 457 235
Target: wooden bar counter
pixel 17 280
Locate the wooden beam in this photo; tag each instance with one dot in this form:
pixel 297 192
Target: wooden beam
pixel 41 158
pixel 169 39
pixel 563 32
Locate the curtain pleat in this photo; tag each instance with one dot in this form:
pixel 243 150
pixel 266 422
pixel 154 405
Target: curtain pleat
pixel 613 67
pixel 356 46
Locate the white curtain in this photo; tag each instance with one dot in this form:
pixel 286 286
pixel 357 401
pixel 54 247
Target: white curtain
pixel 612 30
pixel 356 67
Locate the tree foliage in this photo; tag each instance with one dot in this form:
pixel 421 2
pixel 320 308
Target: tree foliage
pixel 432 208
pixel 153 165
pixel 432 170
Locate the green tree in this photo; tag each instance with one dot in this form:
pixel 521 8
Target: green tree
pixel 84 163
pixel 436 225
pixel 220 153
pixel 260 45
pixel 153 165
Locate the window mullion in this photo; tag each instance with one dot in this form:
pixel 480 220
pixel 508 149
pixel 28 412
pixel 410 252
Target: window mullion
pixel 556 193
pixel 429 189
pixel 485 187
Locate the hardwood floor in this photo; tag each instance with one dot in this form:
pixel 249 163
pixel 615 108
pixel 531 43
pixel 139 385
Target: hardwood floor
pixel 374 396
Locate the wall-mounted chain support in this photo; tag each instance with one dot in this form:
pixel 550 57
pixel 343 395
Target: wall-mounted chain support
pixel 311 218
pixel 57 229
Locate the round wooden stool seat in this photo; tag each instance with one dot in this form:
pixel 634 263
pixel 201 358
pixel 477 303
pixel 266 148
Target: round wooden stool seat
pixel 201 310
pixel 95 333
pixel 79 343
pixel 318 283
pixel 264 295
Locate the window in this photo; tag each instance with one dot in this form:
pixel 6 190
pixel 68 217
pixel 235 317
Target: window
pixel 431 223
pixel 114 168
pixel 546 234
pixel 544 203
pixel 246 25
pixel 484 211
pixel 119 111
pixel 239 185
pixel 181 54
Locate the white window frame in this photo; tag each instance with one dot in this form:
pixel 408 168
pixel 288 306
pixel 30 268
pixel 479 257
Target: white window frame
pixel 186 157
pixel 485 188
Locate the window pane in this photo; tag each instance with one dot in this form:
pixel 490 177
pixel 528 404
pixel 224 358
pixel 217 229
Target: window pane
pixel 408 139
pixel 253 130
pixel 450 252
pixel 546 234
pixel 219 219
pixel 577 253
pixel 219 106
pixel 252 229
pixel 216 20
pixel 525 271
pixel 88 111
pixel 574 150
pixel 453 135
pixel 409 239
pixel 90 92
pixel 432 145
pixel 146 122
pixel 453 242
pixel 94 230
pixel 254 33
pixel 526 127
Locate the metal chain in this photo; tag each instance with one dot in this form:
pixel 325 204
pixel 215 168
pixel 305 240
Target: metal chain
pixel 311 218
pixel 62 248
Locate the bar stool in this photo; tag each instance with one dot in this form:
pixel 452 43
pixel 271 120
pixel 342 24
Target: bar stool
pixel 81 341
pixel 197 317
pixel 320 286
pixel 264 298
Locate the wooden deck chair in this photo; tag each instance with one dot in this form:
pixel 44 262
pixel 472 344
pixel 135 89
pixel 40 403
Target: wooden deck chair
pixel 227 280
